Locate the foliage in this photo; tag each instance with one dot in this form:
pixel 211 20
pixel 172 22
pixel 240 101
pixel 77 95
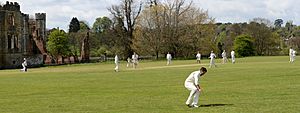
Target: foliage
pixel 74 25
pixel 125 16
pixel 278 23
pixel 189 30
pixel 102 24
pixel 58 43
pixel 264 40
pixel 243 45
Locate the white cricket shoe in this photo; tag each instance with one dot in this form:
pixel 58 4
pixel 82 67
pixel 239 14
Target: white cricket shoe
pixel 195 106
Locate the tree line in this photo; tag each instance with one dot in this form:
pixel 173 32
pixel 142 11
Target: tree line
pixel 154 28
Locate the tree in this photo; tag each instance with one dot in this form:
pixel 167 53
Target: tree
pixel 262 36
pixel 126 15
pixel 58 44
pixel 102 24
pixel 278 23
pixel 174 27
pixel 106 39
pixel 243 45
pixel 74 27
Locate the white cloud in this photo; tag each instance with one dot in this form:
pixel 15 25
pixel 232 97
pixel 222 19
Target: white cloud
pixel 245 10
pixel 60 12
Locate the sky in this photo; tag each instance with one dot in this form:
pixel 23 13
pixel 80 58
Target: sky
pixel 60 12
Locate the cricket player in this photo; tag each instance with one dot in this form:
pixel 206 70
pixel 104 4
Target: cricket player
pixel 294 56
pixel 198 56
pixel 291 55
pixel 117 63
pixel 212 59
pixel 135 60
pixel 169 58
pixel 233 56
pixel 24 65
pixel 192 84
pixel 224 56
pixel 129 62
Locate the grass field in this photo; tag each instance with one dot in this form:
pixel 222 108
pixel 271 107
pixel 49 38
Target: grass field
pixel 252 85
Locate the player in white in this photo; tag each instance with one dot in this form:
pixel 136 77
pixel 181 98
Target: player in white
pixel 212 59
pixel 293 56
pixel 169 58
pixel 135 60
pixel 117 63
pixel 198 56
pixel 224 56
pixel 24 65
pixel 129 62
pixel 192 84
pixel 290 54
pixel 232 56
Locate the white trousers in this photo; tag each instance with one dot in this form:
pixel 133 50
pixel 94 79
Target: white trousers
pixel 212 63
pixel 194 94
pixel 117 67
pixel 168 61
pixel 233 59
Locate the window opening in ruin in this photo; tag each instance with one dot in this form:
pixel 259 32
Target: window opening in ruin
pixel 8 41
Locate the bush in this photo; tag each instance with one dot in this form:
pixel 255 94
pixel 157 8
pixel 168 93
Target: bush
pixel 244 46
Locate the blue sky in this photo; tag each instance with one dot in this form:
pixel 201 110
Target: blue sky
pixel 60 12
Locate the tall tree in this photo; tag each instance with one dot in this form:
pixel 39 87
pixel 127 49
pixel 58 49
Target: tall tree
pixel 263 37
pixel 157 31
pixel 58 44
pixel 74 27
pixel 101 24
pixel 278 23
pixel 128 12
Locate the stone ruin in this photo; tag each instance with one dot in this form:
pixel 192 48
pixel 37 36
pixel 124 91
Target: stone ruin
pixel 21 37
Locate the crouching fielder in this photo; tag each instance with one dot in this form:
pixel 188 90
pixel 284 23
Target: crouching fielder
pixel 192 84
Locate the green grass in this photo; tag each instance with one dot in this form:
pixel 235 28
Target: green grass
pixel 252 85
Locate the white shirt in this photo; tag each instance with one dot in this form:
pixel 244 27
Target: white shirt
pixel 232 53
pixel 24 63
pixel 198 56
pixel 294 53
pixel 291 52
pixel 193 78
pixel 224 54
pixel 135 58
pixel 169 56
pixel 212 56
pixel 116 59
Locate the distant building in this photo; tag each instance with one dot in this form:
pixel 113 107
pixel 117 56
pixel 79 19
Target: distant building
pixel 21 37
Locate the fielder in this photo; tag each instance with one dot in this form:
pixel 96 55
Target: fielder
pixel 224 56
pixel 117 63
pixel 198 56
pixel 233 56
pixel 169 58
pixel 24 65
pixel 129 62
pixel 290 54
pixel 192 84
pixel 212 59
pixel 135 60
pixel 294 56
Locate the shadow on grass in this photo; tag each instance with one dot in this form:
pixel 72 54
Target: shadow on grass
pixel 214 105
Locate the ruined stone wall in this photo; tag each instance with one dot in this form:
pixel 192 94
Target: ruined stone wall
pixel 16 40
pixel 15 60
